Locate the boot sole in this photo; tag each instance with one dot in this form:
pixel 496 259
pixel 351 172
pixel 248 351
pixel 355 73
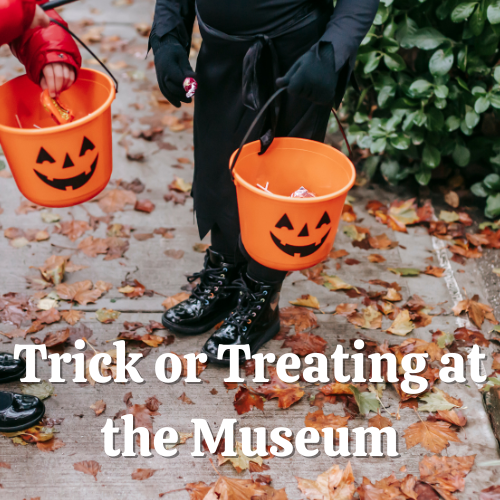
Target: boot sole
pixel 13 378
pixel 191 330
pixel 269 335
pixel 25 426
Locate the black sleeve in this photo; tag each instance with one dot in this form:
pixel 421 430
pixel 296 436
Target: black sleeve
pixel 346 29
pixel 175 17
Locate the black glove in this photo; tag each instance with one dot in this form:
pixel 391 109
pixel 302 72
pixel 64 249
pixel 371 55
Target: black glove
pixel 172 68
pixel 313 75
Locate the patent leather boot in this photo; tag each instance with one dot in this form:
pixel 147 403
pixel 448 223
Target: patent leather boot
pixel 19 411
pixel 210 301
pixel 254 321
pixel 10 368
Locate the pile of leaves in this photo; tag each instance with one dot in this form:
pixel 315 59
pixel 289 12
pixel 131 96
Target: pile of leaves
pixel 430 93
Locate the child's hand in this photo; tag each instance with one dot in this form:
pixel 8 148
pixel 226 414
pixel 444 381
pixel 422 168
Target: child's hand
pixel 40 19
pixel 57 77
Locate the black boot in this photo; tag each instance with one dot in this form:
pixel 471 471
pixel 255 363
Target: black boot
pixel 19 411
pixel 211 300
pixel 11 369
pixel 254 321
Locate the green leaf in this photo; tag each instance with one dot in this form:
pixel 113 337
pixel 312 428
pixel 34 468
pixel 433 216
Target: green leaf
pixel 435 120
pixel 423 176
pixel 378 146
pixel 401 141
pixel 382 15
pixel 372 62
pixel 493 12
pixel 471 118
pixel 463 11
pixel 461 155
pixel 394 62
pixel 41 390
pixel 478 91
pixel 421 87
pixel 481 105
pixel 441 62
pixel 462 83
pixel 425 39
pixel 495 100
pixel 435 401
pixel 366 401
pixel 404 271
pixel 431 156
pixel 478 190
pixel 360 117
pixel 492 181
pixel 492 210
pixel 452 123
pixel 445 339
pixel 477 21
pixel 441 91
pixel 390 171
pixel 496 74
pixel 370 166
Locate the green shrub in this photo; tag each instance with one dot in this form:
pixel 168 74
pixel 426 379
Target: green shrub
pixel 429 73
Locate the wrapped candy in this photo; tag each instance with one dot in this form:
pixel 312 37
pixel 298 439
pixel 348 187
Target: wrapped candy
pixel 58 112
pixel 302 192
pixel 190 86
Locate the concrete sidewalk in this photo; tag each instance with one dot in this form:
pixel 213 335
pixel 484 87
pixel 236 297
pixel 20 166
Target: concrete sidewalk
pixel 138 106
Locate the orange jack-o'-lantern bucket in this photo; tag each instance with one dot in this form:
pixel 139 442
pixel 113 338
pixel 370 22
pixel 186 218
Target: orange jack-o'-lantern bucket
pixel 58 165
pixel 277 230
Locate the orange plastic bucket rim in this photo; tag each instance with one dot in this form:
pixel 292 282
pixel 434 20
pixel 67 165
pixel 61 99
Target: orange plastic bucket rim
pixel 288 199
pixel 75 123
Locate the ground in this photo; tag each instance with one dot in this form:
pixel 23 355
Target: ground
pixel 116 35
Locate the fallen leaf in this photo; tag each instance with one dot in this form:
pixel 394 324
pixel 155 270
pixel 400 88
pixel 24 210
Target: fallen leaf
pixel 318 420
pixel 41 390
pixel 337 254
pixel 402 325
pixel 434 271
pixel 106 316
pixel 185 399
pixel 382 242
pixel 404 271
pixel 455 417
pixel 51 445
pixel 306 301
pixel 287 394
pixel 141 474
pixel 173 300
pixel 333 484
pixel 72 229
pixel 90 467
pixel 241 462
pixel 447 216
pixel 72 317
pixel 245 399
pixel 336 388
pixel 392 295
pixel 433 436
pixel 303 344
pixel 452 199
pixel 345 309
pixel 476 311
pixel 302 318
pixel 98 407
pixel 114 200
pixel 438 400
pixel 379 422
pixel 80 292
pixel 375 257
pixel 180 185
pixel 369 318
pixel 174 254
pixel 490 493
pixel 366 401
pixel 200 247
pixel 335 283
pixel 144 206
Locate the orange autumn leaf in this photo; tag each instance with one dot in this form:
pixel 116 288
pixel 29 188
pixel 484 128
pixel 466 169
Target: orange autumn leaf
pixel 287 394
pixel 369 318
pixel 333 484
pixel 379 422
pixel 114 200
pixel 433 436
pixel 51 445
pixel 80 292
pixel 141 474
pixel 345 309
pixel 90 467
pixel 375 257
pixel 382 242
pixel 72 317
pixel 476 311
pixel 434 271
pixel 455 417
pixel 306 301
pixel 300 317
pixel 348 214
pixel 318 420
pixel 303 344
pixel 245 399
pixel 337 254
pixel 336 388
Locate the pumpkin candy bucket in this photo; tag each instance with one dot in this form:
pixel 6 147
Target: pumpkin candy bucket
pixel 58 165
pixel 277 230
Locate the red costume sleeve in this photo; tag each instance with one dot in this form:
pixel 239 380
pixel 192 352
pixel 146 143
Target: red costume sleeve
pixel 36 48
pixel 15 18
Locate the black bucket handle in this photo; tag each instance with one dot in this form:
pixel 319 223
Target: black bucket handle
pixel 88 49
pixel 259 115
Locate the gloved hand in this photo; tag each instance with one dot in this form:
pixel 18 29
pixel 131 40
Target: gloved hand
pixel 313 75
pixel 172 68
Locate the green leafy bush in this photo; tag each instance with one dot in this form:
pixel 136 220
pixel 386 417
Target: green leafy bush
pixel 429 73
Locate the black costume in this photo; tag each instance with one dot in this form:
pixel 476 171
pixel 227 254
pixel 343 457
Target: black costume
pixel 250 47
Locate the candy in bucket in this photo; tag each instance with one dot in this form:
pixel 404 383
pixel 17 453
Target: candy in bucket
pixel 302 192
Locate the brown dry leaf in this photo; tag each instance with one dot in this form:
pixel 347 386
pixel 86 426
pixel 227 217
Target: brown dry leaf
pixel 72 317
pixel 180 185
pixel 496 361
pixel 92 247
pixel 245 399
pixel 174 254
pixel 433 436
pixel 51 445
pixel 369 318
pixel 56 338
pixel 455 417
pixel 185 399
pixel 132 289
pixel 303 344
pixel 114 200
pixel 333 484
pixel 336 389
pixel 337 254
pixel 379 422
pixel 402 325
pixel 173 300
pixel 104 286
pixel 106 316
pixel 144 206
pixel 334 283
pixel 348 214
pixel 476 310
pixel 141 474
pixel 200 367
pixel 241 462
pixel 80 292
pixel 98 407
pixel 345 309
pixel 302 318
pixel 401 214
pixel 306 301
pixel 452 199
pixel 72 229
pixel 470 338
pixel 375 257
pixel 53 269
pixel 287 394
pixel 49 316
pixel 382 242
pixel 90 467
pixel 200 247
pixel 5 465
pixel 392 295
pixel 318 420
pixel 434 271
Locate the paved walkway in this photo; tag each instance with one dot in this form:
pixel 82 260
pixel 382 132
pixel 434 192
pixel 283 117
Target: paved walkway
pixel 50 475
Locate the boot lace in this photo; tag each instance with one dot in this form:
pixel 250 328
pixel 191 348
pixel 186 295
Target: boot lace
pixel 249 304
pixel 211 279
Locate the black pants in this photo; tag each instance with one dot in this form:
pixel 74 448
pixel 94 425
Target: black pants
pixel 221 120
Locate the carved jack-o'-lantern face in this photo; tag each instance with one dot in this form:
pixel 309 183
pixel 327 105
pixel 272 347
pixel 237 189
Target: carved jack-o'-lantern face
pixel 83 170
pixel 302 248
